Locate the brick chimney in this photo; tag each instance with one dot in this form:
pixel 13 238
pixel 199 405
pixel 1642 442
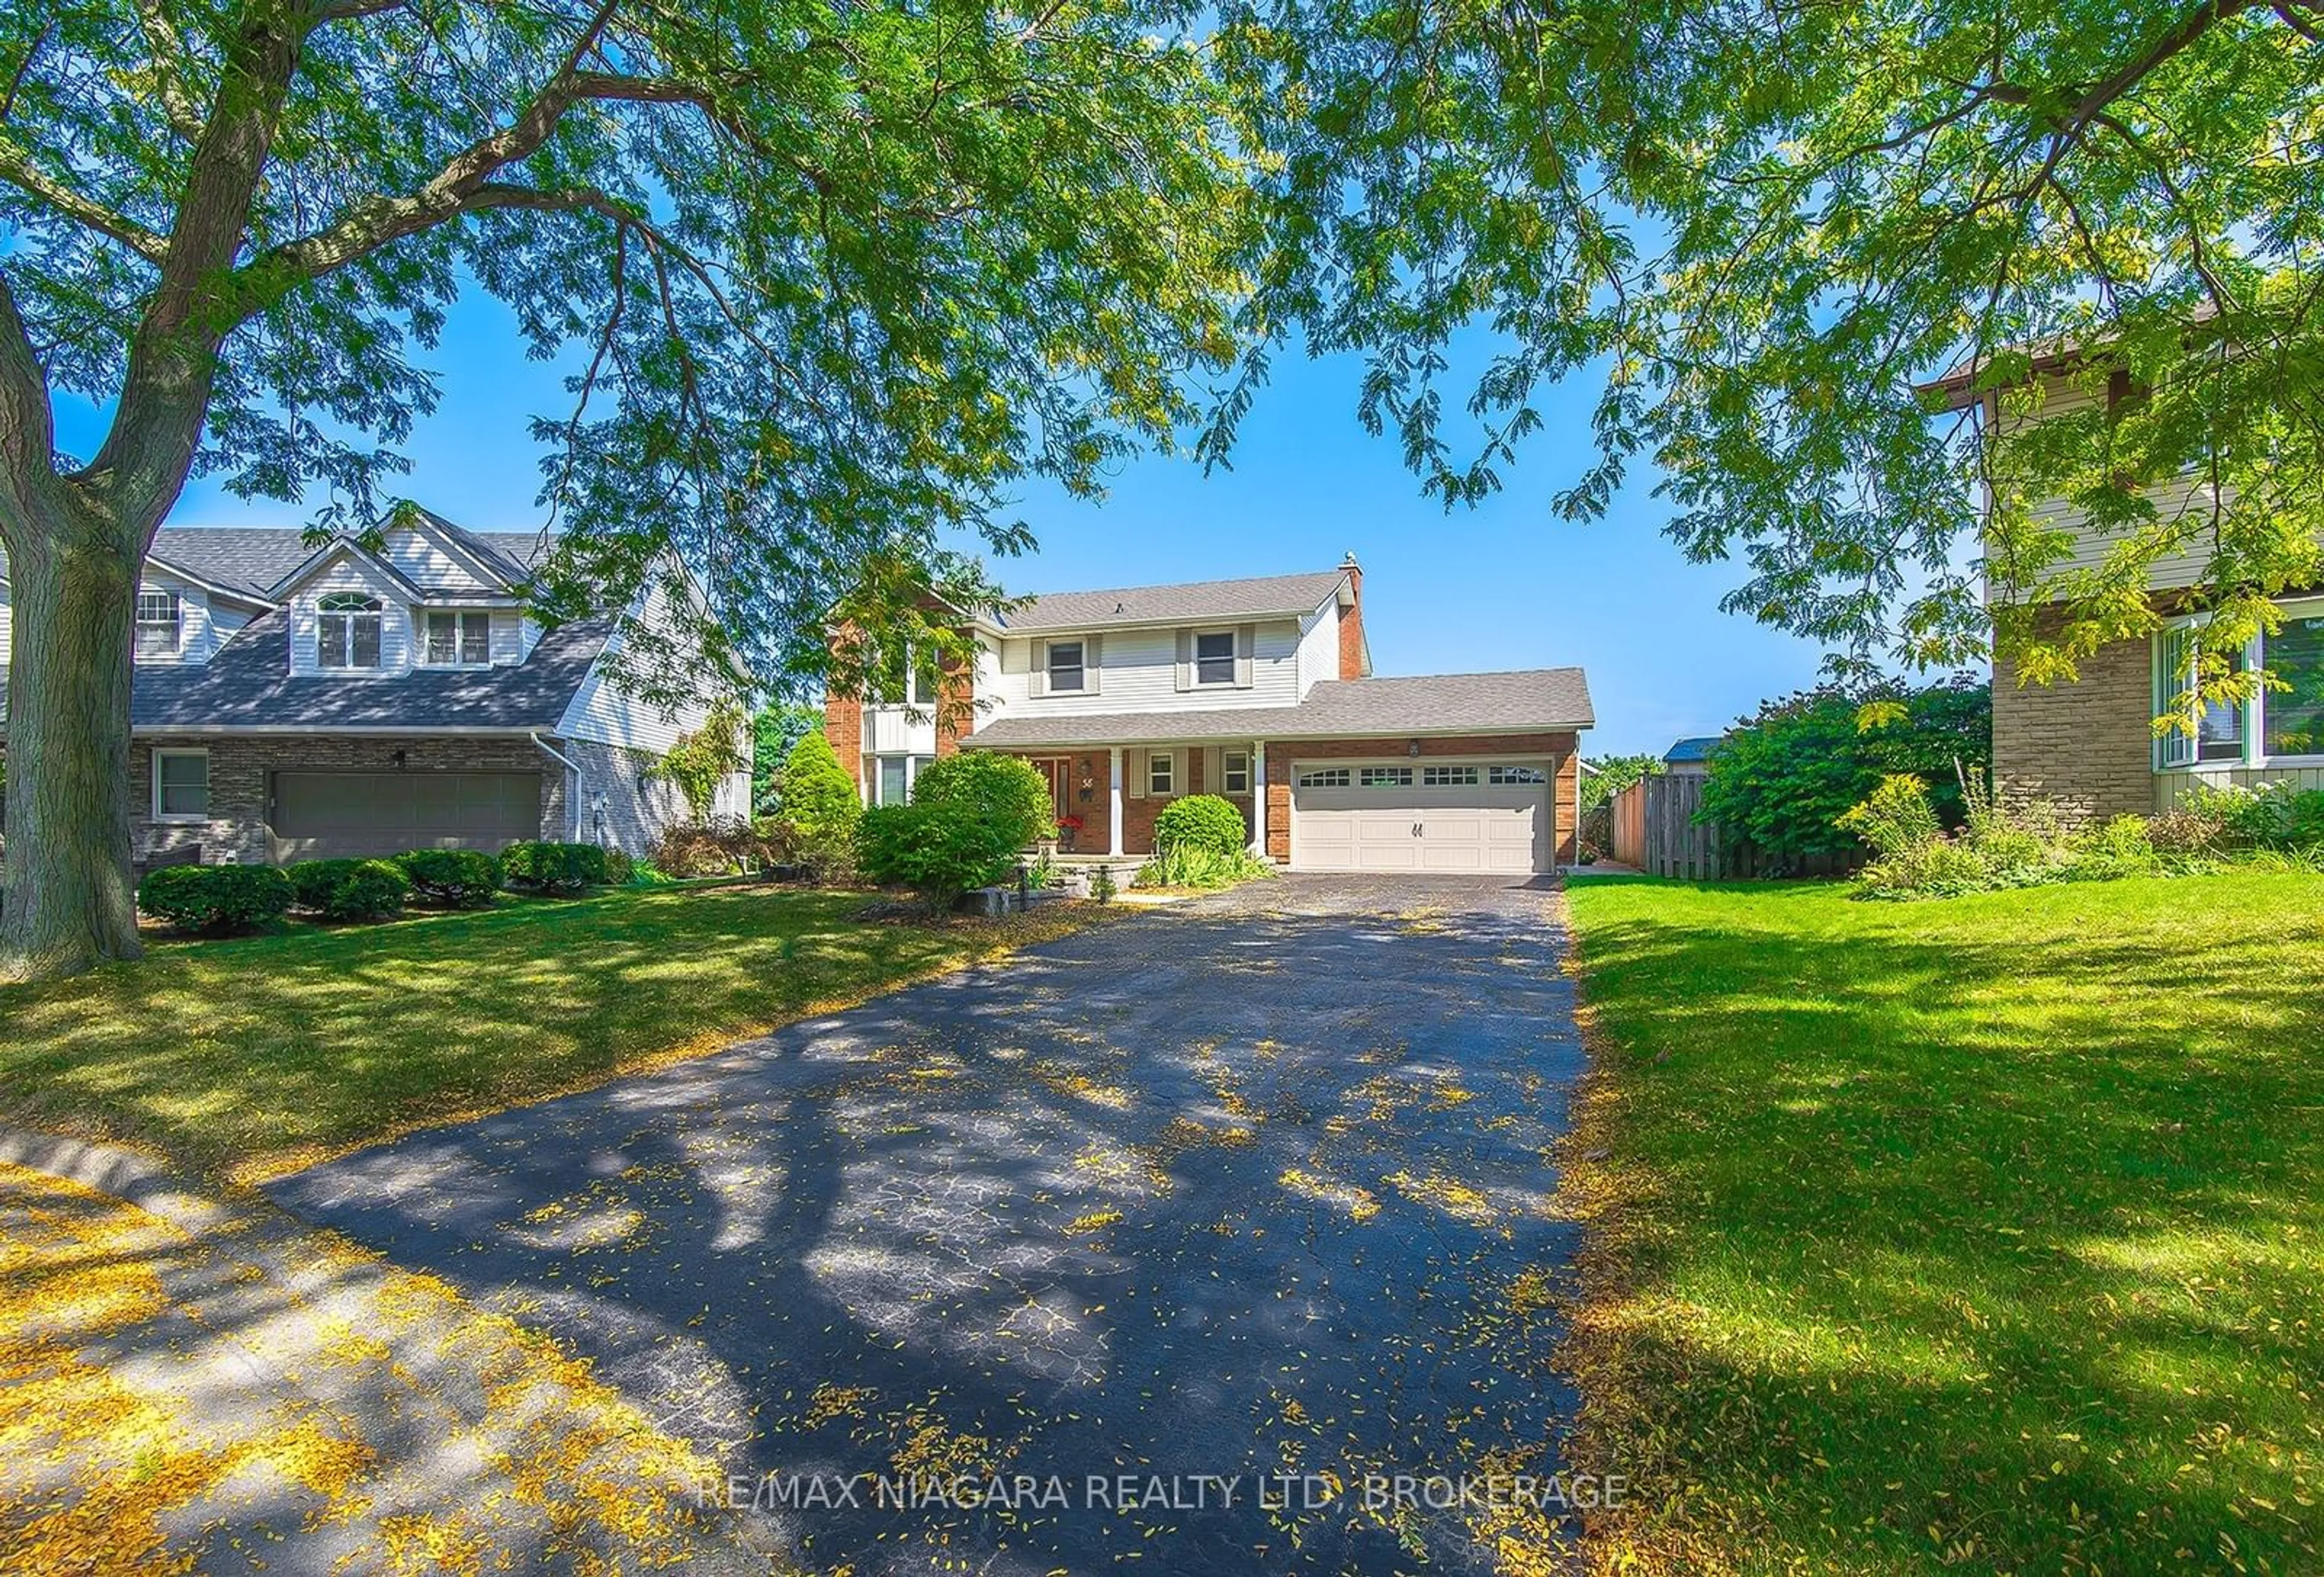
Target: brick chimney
pixel 1352 622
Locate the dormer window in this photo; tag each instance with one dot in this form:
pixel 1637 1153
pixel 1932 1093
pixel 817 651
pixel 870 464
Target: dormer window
pixel 161 624
pixel 346 630
pixel 1067 671
pixel 461 640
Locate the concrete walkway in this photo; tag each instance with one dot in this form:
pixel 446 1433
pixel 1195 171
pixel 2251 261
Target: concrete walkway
pixel 190 1381
pixel 1187 1228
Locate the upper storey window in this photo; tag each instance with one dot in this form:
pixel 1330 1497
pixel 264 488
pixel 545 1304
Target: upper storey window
pixel 346 630
pixel 1214 656
pixel 1067 670
pixel 459 640
pixel 161 624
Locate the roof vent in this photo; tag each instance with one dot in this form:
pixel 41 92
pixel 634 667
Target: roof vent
pixel 1120 609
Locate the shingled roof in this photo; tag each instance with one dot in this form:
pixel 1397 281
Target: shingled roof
pixel 248 560
pixel 1271 596
pixel 248 685
pixel 1533 700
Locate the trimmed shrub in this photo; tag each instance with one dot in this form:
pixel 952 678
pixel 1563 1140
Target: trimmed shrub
pixel 821 810
pixel 1201 824
pixel 451 879
pixel 553 867
pixel 373 891
pixel 621 870
pixel 216 901
pixel 940 851
pixel 312 882
pixel 1003 792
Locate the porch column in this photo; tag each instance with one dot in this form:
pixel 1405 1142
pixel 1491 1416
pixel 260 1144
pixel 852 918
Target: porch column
pixel 1113 806
pixel 1258 798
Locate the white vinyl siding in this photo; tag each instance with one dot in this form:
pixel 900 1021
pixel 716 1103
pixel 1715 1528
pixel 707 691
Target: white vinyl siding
pixel 1139 673
pixel 348 575
pixel 1319 647
pixel 417 557
pixel 2173 501
pixel 603 711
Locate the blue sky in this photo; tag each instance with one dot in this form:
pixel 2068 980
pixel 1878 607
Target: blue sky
pixel 1505 586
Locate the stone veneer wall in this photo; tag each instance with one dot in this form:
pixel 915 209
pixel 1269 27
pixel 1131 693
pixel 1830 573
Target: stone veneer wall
pixel 236 826
pixel 2089 745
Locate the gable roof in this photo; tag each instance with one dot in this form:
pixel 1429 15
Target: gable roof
pixel 248 686
pixel 1271 596
pixel 1697 749
pixel 1529 700
pixel 247 561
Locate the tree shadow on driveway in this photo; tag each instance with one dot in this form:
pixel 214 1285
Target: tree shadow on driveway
pixel 1236 1191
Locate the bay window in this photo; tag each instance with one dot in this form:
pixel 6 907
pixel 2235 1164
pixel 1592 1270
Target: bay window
pixel 2285 720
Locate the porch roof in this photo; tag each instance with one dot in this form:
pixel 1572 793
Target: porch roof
pixel 1532 701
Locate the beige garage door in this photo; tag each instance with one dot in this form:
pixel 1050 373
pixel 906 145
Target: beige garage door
pixel 1479 818
pixel 319 815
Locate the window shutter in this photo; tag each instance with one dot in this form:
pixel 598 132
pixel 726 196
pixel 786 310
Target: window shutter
pixel 1184 673
pixel 1092 659
pixel 1177 772
pixel 1214 776
pixel 1037 681
pixel 1246 644
pixel 1134 762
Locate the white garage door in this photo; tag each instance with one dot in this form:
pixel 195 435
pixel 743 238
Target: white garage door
pixel 1483 817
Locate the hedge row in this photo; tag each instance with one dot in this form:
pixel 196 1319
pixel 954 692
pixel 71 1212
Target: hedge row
pixel 215 900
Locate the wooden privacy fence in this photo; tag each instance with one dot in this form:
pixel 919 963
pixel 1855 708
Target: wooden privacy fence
pixel 1655 830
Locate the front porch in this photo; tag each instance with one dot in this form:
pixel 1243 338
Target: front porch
pixel 1105 798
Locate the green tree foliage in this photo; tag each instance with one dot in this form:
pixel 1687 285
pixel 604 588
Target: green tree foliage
pixel 834 281
pixel 1004 792
pixel 705 756
pixel 940 851
pixel 774 730
pixel 1612 775
pixel 1764 225
pixel 821 808
pixel 1785 780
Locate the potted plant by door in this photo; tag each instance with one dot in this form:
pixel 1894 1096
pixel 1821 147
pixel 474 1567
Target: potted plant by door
pixel 1068 828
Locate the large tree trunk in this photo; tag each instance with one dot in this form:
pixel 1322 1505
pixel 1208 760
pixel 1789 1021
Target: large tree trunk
pixel 68 904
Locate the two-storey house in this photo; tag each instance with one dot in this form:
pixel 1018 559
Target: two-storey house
pixel 293 700
pixel 2090 746
pixel 1258 690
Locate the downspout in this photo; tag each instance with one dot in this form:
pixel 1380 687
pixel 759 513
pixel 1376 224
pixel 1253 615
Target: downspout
pixel 580 784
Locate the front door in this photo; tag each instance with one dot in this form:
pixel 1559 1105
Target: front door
pixel 1056 771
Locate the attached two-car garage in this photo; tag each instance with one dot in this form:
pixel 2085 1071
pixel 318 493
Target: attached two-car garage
pixel 1484 818
pixel 318 815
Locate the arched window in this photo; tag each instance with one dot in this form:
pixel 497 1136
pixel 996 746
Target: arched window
pixel 346 630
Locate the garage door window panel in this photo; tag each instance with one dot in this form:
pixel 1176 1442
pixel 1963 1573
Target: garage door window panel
pixel 1512 776
pixel 1385 777
pixel 1326 778
pixel 1448 777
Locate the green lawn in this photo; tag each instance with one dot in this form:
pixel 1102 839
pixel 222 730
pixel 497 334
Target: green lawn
pixel 254 1057
pixel 1985 1232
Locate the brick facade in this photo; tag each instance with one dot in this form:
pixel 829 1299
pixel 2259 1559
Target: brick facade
pixel 1351 623
pixel 843 724
pixel 240 766
pixel 2088 746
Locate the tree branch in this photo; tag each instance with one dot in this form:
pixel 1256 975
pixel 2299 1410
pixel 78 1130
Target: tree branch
pixel 165 48
pixel 17 169
pixel 27 431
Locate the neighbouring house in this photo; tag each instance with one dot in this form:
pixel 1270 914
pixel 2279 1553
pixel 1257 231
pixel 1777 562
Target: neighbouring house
pixel 1258 690
pixel 293 700
pixel 1690 758
pixel 2090 746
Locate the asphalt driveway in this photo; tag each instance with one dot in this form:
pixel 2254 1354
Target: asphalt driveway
pixel 1175 1241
